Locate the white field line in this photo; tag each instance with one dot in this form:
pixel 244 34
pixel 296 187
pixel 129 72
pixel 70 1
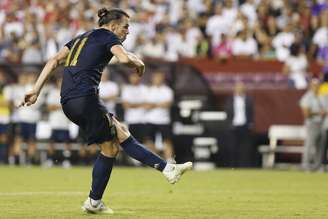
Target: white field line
pixel 42 193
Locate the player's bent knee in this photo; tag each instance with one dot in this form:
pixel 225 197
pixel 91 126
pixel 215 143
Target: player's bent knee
pixel 109 149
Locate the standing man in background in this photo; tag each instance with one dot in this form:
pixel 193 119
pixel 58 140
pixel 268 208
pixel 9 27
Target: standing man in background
pixel 59 126
pixel 4 117
pixel 240 118
pixel 313 113
pixel 159 102
pixel 134 96
pixel 108 91
pixel 28 119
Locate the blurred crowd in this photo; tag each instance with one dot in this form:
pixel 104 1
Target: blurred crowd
pixel 33 30
pixel 23 129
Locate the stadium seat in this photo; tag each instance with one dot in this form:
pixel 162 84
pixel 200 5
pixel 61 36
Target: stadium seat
pixel 281 133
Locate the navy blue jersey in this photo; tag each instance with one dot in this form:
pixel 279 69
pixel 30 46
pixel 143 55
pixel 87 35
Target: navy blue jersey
pixel 89 54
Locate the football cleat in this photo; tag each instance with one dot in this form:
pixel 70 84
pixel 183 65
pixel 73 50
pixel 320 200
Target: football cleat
pixel 100 208
pixel 173 172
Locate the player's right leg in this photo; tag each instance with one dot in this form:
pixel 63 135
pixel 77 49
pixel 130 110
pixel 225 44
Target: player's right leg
pixel 133 148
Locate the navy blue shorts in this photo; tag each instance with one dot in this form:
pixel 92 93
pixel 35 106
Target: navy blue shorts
pixel 27 131
pixel 90 114
pixel 164 130
pixel 3 128
pixel 60 136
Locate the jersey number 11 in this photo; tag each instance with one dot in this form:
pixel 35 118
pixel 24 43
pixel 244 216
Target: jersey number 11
pixel 75 51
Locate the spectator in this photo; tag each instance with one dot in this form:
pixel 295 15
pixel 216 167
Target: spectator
pixel 28 118
pixel 15 93
pixel 4 117
pixel 240 118
pixel 159 102
pixel 223 50
pixel 322 58
pixel 320 38
pixel 59 126
pixel 108 91
pixel 313 116
pixel 244 46
pixel 282 41
pixel 155 47
pixel 134 106
pixel 323 149
pixel 296 66
pixel 32 54
pixel 249 10
pixel 217 25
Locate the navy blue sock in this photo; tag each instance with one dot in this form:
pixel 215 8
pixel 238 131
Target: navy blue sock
pixel 100 176
pixel 139 152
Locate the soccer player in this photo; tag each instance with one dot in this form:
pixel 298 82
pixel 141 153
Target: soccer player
pixel 85 57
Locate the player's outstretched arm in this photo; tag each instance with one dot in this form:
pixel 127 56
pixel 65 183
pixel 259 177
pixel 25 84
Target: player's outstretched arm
pixel 31 96
pixel 128 58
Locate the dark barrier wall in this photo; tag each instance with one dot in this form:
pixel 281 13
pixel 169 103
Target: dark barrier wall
pixel 208 66
pixel 275 102
pixel 272 106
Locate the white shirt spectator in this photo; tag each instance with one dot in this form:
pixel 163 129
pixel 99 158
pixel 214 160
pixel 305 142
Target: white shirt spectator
pixel 50 48
pixel 29 114
pixel 229 15
pixel 155 50
pixel 157 95
pixel 249 9
pixel 32 55
pixel 172 48
pixel 134 94
pixel 281 43
pixel 13 93
pixel 57 118
pixel 193 34
pixel 244 48
pixel 216 25
pixel 108 89
pixel 321 37
pixel 64 35
pixel 175 10
pixel 16 27
pixel 297 66
pixel 186 48
pixel 195 7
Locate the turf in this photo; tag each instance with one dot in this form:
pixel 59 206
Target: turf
pixel 144 193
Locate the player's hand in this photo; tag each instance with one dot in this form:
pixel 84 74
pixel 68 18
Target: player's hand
pixel 29 98
pixel 141 69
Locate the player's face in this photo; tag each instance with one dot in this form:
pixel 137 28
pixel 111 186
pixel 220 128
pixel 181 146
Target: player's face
pixel 122 28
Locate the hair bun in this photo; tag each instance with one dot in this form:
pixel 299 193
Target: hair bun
pixel 102 12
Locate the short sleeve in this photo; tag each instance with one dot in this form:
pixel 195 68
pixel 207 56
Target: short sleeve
pixel 111 41
pixel 69 44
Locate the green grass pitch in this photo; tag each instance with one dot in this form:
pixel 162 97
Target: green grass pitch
pixel 144 193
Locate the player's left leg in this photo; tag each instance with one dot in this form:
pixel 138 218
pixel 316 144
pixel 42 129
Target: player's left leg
pixel 100 176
